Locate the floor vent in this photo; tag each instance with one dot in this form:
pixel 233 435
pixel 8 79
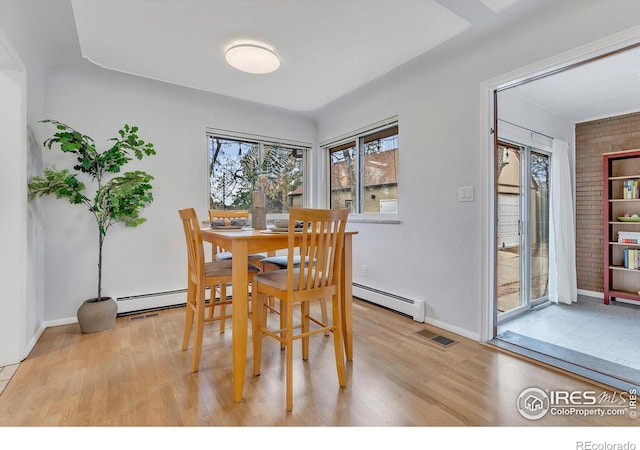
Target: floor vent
pixel 141 316
pixel 444 341
pixel 437 338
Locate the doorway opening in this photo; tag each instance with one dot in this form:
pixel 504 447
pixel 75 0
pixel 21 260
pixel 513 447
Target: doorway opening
pixel 585 337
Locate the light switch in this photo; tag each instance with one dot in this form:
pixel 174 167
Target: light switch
pixel 465 194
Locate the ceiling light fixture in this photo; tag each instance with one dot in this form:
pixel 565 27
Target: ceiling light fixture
pixel 252 58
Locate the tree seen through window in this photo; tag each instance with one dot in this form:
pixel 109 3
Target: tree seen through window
pixel 234 167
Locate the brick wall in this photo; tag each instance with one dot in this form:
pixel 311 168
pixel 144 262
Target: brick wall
pixel 592 140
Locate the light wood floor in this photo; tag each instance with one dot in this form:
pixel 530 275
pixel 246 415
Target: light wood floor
pixel 135 375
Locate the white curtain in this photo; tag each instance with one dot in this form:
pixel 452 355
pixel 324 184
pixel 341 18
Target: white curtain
pixel 562 234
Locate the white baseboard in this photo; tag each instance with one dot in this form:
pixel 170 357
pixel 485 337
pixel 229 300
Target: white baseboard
pixel 456 330
pixel 129 305
pixel 601 295
pixel 34 339
pixel 58 322
pixel 413 308
pixel 27 350
pixel 591 293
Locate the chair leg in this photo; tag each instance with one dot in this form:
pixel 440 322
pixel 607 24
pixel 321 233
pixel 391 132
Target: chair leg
pixel 223 306
pixel 337 341
pixel 199 331
pixel 212 304
pixel 258 320
pixel 283 323
pixel 289 356
pixel 272 300
pixel 325 316
pixel 188 322
pixel 304 319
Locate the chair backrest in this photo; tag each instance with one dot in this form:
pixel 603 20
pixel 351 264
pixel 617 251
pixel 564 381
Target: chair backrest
pixel 228 214
pixel 193 238
pixel 319 245
pixel 225 214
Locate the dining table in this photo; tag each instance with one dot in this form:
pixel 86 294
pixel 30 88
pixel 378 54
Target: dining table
pixel 243 242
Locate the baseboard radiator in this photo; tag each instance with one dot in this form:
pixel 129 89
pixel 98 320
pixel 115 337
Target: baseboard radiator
pixel 415 309
pixel 157 300
pixel 152 301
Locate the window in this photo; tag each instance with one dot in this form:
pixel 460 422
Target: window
pixel 363 172
pixel 235 164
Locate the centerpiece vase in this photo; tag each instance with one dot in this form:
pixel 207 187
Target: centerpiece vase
pixel 259 211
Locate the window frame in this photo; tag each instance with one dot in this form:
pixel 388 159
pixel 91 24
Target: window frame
pixel 262 141
pixel 357 137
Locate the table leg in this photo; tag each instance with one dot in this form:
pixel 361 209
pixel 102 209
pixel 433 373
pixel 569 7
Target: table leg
pixel 347 298
pixel 239 315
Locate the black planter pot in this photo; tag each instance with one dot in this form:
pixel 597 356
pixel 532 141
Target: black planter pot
pixel 97 314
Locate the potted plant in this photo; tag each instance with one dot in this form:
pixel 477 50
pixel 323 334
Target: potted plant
pixel 116 199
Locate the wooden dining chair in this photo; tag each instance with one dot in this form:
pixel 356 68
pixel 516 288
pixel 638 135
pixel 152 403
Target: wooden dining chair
pixel 220 254
pixel 280 262
pixel 319 245
pixel 200 276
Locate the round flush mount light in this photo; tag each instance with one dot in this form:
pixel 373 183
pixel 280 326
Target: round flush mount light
pixel 252 58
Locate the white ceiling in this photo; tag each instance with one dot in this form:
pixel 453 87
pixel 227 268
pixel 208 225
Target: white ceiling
pixel 603 88
pixel 327 47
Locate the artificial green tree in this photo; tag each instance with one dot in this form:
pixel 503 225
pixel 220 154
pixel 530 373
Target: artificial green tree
pixel 116 198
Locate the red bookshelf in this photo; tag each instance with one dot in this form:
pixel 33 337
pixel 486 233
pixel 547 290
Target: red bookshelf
pixel 621 192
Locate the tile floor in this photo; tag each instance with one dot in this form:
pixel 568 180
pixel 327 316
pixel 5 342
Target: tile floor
pixel 610 332
pixel 6 373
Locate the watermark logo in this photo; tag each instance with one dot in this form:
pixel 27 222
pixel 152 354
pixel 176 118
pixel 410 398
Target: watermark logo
pixel 590 445
pixel 535 403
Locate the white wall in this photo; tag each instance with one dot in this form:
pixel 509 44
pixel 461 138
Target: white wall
pixel 150 258
pixel 436 253
pixel 437 99
pixel 21 274
pixel 13 218
pixel 516 110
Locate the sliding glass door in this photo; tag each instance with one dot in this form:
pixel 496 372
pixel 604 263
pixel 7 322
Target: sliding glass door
pixel 522 228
